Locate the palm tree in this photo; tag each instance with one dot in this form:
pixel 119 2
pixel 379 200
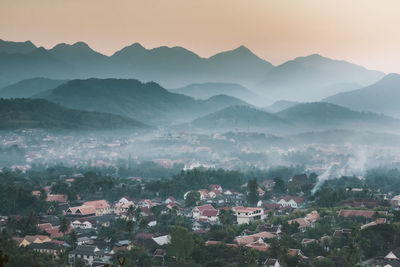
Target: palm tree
pixel 129 227
pixel 64 225
pixel 142 226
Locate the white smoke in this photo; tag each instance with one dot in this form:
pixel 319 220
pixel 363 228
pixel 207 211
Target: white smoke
pixel 355 166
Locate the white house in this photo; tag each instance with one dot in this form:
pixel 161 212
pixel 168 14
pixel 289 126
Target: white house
pixel 81 224
pixel 205 212
pixel 290 201
pixel 248 214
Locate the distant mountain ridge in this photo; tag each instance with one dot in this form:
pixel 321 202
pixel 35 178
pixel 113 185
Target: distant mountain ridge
pixel 240 117
pixel 147 102
pixel 173 67
pixel 39 113
pixel 302 79
pixel 207 90
pixel 280 105
pixel 314 77
pixel 29 87
pixel 299 118
pixel 380 97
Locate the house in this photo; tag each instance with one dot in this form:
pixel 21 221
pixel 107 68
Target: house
pixel 47 247
pixel 124 200
pixel 55 231
pixel 122 246
pixel 385 263
pixel 312 217
pixel 198 210
pixel 209 215
pixel 87 253
pixel 367 214
pixel 290 201
pixel 122 206
pixel 29 239
pixel 248 239
pixel 162 240
pixel 201 226
pixel 270 228
pixel 82 224
pixel 308 221
pixel 81 211
pixel 393 255
pixel 303 223
pixel 271 263
pixel 170 200
pixel 260 192
pixel 268 184
pixel 101 206
pixel 248 214
pixel 146 203
pixel 57 198
pixel 203 194
pixel 297 253
pixel 259 245
pixel 341 233
pixel 216 187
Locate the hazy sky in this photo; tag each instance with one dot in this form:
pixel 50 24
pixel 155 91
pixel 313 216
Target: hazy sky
pixel 366 32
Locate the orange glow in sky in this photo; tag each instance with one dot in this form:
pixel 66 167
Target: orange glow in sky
pixel 365 32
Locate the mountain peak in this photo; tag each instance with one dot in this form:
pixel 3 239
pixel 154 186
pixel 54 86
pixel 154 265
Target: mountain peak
pixel 391 76
pixel 242 48
pixel 77 45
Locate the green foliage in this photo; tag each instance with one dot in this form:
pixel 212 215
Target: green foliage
pixel 194 180
pixel 252 193
pixel 20 256
pixel 182 243
pixel 226 217
pixel 280 186
pixel 39 113
pixel 192 198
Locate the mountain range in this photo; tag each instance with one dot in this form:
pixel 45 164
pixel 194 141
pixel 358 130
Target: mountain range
pixel 380 97
pixel 280 105
pixel 301 79
pixel 146 102
pixel 207 90
pixel 29 87
pixel 299 118
pixel 314 77
pixel 39 113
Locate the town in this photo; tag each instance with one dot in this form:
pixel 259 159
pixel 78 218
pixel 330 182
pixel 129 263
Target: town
pixel 209 217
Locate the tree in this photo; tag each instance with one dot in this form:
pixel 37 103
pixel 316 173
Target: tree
pixel 73 236
pixel 280 186
pixel 251 257
pixel 129 227
pixel 226 217
pixel 64 225
pixel 137 214
pixel 252 193
pixel 192 198
pixel 182 243
pixel 131 211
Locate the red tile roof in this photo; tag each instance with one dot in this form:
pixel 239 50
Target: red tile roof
pixel 205 207
pixel 57 198
pixel 359 213
pixel 210 213
pixel 97 204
